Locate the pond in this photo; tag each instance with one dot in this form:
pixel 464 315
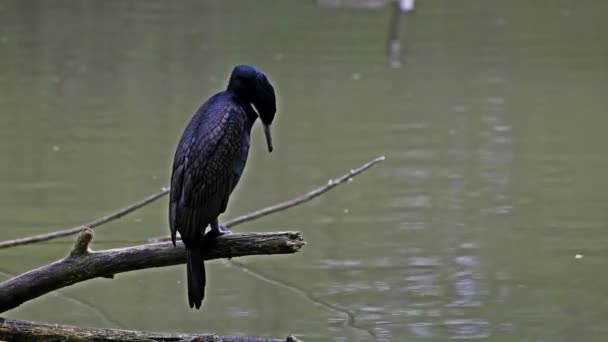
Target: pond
pixel 487 220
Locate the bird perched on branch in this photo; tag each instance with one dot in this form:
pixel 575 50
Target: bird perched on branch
pixel 209 162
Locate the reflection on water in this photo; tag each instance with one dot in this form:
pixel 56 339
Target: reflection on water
pixel 492 127
pixel 446 290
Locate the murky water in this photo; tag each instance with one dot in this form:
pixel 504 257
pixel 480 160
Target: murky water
pixel 493 129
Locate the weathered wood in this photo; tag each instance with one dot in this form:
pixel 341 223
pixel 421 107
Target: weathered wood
pixel 83 264
pixel 15 331
pixel 79 266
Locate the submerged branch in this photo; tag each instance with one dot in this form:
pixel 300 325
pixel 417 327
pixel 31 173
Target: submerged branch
pixel 15 330
pixel 94 223
pixel 332 183
pixel 79 267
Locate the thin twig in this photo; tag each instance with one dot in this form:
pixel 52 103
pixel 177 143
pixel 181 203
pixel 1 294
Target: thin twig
pixel 332 183
pixel 95 223
pixel 236 221
pixel 93 264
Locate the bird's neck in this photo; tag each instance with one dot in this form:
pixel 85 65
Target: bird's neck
pixel 250 113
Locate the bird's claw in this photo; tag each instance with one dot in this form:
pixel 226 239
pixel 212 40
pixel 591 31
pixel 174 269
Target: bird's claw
pixel 214 233
pixel 223 230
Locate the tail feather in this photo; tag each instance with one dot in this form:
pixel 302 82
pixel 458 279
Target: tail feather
pixel 196 276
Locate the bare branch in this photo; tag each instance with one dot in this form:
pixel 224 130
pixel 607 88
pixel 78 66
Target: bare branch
pixel 95 223
pixel 332 183
pixel 79 267
pixel 15 330
pixel 236 221
pixel 83 264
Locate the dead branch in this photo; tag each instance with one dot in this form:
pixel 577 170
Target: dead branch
pixel 83 264
pixel 238 220
pixel 94 223
pixel 15 330
pixel 332 183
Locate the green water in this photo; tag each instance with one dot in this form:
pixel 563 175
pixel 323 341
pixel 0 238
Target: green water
pixel 493 129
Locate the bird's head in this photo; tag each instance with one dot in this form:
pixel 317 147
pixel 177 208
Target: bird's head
pixel 252 86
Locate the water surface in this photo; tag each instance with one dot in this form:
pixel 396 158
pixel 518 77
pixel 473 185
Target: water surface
pixel 493 129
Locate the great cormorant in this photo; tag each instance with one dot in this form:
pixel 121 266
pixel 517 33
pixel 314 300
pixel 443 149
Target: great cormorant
pixel 209 162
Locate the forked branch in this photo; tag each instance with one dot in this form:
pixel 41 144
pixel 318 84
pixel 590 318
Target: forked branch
pixel 83 264
pixel 235 221
pixel 332 183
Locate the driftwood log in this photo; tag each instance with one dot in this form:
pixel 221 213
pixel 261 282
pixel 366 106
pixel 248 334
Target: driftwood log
pixel 14 330
pixel 83 264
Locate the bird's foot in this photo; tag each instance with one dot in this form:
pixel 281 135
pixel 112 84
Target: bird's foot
pixel 217 232
pixel 223 230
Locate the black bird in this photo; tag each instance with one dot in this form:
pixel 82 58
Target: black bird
pixel 209 162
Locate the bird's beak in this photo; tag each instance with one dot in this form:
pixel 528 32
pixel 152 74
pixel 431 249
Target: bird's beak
pixel 268 137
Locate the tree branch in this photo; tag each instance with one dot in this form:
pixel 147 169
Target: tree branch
pixel 15 330
pixel 80 266
pixel 332 183
pixel 238 220
pixel 94 223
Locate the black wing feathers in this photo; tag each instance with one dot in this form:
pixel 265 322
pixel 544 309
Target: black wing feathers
pixel 203 166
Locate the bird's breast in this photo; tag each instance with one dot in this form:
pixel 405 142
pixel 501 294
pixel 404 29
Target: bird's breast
pixel 241 160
